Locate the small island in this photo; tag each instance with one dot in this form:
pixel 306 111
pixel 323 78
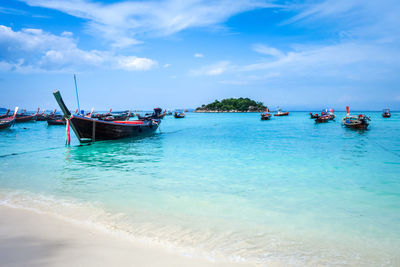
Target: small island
pixel 232 105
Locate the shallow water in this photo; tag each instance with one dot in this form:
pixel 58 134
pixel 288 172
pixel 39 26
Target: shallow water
pixel 285 191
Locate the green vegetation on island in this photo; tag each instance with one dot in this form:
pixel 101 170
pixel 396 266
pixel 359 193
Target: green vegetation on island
pixel 233 105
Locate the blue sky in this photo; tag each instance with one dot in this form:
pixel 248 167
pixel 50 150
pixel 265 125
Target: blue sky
pixel 184 53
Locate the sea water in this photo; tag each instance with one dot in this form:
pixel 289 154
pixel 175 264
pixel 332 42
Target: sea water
pixel 223 186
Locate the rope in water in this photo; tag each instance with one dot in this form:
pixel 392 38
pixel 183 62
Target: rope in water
pixel 32 151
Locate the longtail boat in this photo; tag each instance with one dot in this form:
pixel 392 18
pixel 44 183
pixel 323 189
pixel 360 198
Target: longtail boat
pixel 5 115
pixel 355 122
pixel 331 113
pixel 156 114
pixel 179 115
pixel 57 120
pixel 314 115
pixel 323 118
pixel 90 130
pixel 386 113
pixel 25 118
pixel 7 122
pixel 281 113
pixel 42 116
pixel 266 115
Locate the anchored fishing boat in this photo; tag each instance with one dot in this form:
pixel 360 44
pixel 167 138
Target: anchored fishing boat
pixel 281 113
pixel 57 120
pixel 386 113
pixel 90 130
pixel 25 118
pixel 7 122
pixel 314 115
pixel 323 118
pixel 5 115
pixel 157 111
pixel 266 115
pixel 355 122
pixel 179 115
pixel 42 116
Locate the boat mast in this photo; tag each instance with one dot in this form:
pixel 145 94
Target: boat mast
pixel 77 97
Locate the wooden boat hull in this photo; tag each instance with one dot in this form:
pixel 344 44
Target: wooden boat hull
pixel 179 116
pixel 90 130
pixel 5 115
pixel 265 117
pixel 87 128
pixel 42 118
pixel 322 119
pixel 282 114
pixel 385 115
pixel 313 116
pixel 358 126
pixel 361 124
pixel 25 118
pixel 6 123
pixel 56 122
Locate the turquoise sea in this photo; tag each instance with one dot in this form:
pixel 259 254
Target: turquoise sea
pixel 223 186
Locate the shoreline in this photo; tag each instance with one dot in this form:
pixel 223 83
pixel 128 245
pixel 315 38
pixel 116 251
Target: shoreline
pixel 214 111
pixel 28 238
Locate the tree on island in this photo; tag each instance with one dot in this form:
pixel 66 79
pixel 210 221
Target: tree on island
pixel 233 104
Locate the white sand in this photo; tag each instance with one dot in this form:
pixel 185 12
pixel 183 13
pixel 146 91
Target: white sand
pixel 31 239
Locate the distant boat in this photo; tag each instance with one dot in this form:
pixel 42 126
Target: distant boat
pixel 266 115
pixel 281 113
pixel 155 115
pixel 25 118
pixel 325 116
pixel 386 113
pixel 314 116
pixel 7 122
pixel 179 115
pixel 89 130
pixel 355 122
pixel 57 120
pixel 5 115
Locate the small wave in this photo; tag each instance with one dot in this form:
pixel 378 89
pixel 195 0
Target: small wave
pixel 253 246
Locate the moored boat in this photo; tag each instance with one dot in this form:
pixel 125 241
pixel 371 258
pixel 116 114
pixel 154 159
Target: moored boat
pixel 155 115
pixel 281 113
pixel 314 115
pixel 179 115
pixel 386 113
pixel 5 115
pixel 7 122
pixel 266 115
pixel 57 120
pixel 42 116
pixel 323 118
pixel 355 122
pixel 25 118
pixel 88 129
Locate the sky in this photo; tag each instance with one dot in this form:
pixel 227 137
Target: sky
pixel 299 55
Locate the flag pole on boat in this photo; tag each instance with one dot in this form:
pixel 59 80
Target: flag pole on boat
pixel 76 90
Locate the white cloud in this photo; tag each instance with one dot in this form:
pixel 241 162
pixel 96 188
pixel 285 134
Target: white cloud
pixel 233 82
pixel 212 70
pixel 121 22
pixel 135 63
pixel 335 58
pixel 198 55
pixel 167 65
pixel 266 50
pixel 33 50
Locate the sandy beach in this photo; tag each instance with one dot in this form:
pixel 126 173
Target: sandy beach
pixel 28 238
